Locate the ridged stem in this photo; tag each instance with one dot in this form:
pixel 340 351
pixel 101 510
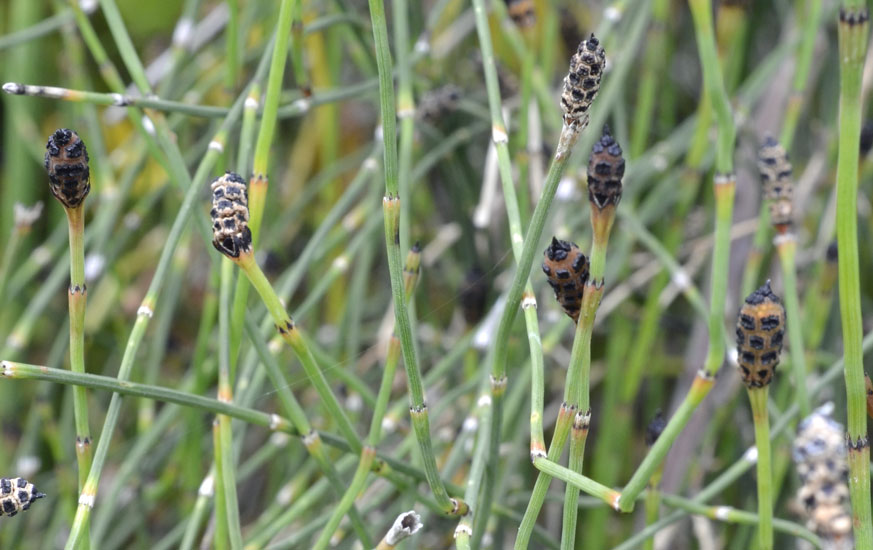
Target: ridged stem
pixel 725 188
pixel 143 317
pixel 852 33
pixel 389 467
pixel 292 336
pixel 259 179
pixel 391 212
pixel 760 416
pixel 76 297
pixel 227 515
pixel 563 426
pixel 786 245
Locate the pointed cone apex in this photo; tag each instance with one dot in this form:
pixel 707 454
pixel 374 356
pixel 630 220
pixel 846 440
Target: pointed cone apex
pixel 763 294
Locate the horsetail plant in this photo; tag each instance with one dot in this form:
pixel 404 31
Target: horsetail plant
pixel 775 170
pixel 724 186
pixel 406 525
pixel 580 88
pixel 605 172
pixel 819 452
pixel 653 499
pixel 233 238
pixel 760 331
pixel 17 495
pixel 66 161
pixel 606 167
pixel 852 35
pixel 411 273
pixel 391 212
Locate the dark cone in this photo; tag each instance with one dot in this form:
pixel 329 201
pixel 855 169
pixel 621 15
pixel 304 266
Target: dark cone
pixel 605 171
pixel 655 427
pixel 66 161
pixel 866 137
pixel 230 215
pixel 474 296
pixel 582 82
pixel 760 331
pixel 567 270
pixel 16 495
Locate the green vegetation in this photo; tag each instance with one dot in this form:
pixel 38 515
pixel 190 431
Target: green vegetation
pixel 333 357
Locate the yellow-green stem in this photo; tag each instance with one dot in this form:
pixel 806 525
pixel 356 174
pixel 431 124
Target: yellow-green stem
pixel 852 33
pixel 758 399
pixel 786 245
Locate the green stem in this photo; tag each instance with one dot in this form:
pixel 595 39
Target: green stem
pixel 656 455
pixel 225 466
pixel 803 61
pixel 498 383
pixel 77 297
pixel 144 314
pixel 732 515
pixel 259 180
pixel 758 399
pixel 725 187
pixel 291 334
pixel 587 485
pixel 852 32
pixel 391 212
pixel 787 246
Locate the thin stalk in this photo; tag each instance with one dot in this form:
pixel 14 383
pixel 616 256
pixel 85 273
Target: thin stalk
pixel 500 138
pixel 760 416
pixel 411 273
pixel 749 458
pixel 37 30
pixel 803 61
pixel 225 466
pixel 391 212
pixel 786 245
pixel 259 180
pixel 389 467
pixel 725 187
pixel 651 67
pixel 406 114
pixel 144 314
pixel 727 514
pixel 77 297
pixel 852 33
pixel 653 506
pixel 577 386
pixel 293 337
pixel 576 479
pixel 231 38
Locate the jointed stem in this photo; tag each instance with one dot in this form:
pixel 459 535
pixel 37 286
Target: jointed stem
pixel 787 246
pixel 391 212
pixel 725 188
pixel 852 47
pixel 293 337
pixel 758 399
pixel 77 297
